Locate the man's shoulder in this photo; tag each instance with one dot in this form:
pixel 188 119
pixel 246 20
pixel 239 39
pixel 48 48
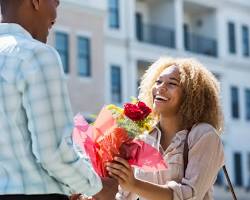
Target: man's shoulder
pixel 25 48
pixel 34 47
pixel 41 56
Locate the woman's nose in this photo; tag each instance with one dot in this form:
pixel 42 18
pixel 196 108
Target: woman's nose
pixel 161 87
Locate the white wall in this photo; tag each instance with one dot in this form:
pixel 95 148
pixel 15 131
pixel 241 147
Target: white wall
pixel 95 4
pixel 122 31
pixel 162 13
pixel 116 55
pixel 208 26
pixel 239 18
pixel 143 8
pixel 203 24
pixel 237 135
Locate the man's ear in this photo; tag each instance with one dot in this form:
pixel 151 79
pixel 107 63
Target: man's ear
pixel 36 4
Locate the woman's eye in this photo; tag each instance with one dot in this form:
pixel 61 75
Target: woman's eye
pixel 158 82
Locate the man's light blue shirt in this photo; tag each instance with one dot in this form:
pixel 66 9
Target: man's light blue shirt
pixel 36 150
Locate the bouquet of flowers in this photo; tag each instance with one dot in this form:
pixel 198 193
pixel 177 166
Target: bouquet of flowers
pixel 116 132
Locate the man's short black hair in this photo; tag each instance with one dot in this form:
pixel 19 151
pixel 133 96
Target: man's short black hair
pixel 4 4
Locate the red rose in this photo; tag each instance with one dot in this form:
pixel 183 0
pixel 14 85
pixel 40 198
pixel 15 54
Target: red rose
pixel 144 108
pixel 136 112
pixel 133 112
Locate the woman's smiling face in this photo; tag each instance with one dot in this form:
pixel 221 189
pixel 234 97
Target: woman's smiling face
pixel 167 92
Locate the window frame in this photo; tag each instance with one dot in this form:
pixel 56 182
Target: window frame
pixel 235 102
pixel 119 90
pixel 114 14
pixel 247 103
pixel 64 51
pixel 232 38
pixel 86 56
pixel 245 41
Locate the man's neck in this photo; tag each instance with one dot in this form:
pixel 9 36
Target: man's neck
pixel 9 18
pixel 14 20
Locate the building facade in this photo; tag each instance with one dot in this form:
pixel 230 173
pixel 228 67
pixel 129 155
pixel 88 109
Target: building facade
pixel 216 32
pixel 78 36
pixel 125 36
pixel 106 46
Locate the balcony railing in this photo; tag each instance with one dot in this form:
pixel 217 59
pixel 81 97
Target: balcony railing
pixel 154 34
pixel 200 44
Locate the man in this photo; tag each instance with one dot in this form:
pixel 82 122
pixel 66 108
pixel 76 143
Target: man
pixel 37 160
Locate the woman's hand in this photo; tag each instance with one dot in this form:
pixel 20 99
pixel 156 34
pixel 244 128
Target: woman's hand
pixel 79 197
pixel 123 173
pixel 76 197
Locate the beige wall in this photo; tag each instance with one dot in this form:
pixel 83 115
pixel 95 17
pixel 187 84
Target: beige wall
pixel 87 94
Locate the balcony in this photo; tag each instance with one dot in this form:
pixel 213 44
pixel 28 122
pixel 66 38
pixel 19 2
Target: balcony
pixel 154 34
pixel 200 29
pixel 154 22
pixel 200 44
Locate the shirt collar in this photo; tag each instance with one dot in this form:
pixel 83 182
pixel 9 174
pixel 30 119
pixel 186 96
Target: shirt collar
pixel 13 29
pixel 177 140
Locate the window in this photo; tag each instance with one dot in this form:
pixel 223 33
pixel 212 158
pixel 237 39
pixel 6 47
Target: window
pixel 248 172
pixel 231 37
pixel 139 26
pixel 186 36
pixel 248 163
pixel 247 99
pixel 219 179
pixel 62 46
pixel 116 84
pixel 235 102
pixel 84 64
pixel 217 76
pixel 245 40
pixel 114 14
pixel 238 169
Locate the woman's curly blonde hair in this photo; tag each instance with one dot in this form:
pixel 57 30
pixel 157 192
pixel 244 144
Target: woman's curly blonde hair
pixel 201 102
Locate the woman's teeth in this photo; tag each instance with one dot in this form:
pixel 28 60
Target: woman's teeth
pixel 161 98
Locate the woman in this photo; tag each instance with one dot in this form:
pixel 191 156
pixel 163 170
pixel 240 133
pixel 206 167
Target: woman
pixel 184 96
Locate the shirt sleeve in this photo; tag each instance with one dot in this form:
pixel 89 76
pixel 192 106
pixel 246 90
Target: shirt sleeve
pixel 206 157
pixel 50 122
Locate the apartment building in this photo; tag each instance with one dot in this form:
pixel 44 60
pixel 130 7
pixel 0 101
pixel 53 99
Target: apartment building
pixel 106 46
pixel 134 33
pixel 78 36
pixel 216 32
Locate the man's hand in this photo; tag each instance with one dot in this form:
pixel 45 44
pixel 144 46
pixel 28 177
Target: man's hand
pixel 109 190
